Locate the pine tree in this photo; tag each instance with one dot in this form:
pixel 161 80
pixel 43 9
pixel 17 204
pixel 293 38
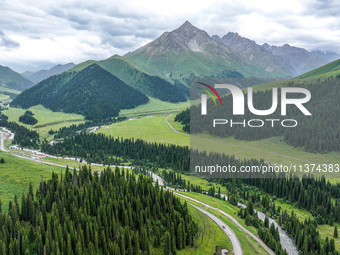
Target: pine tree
pixel 335 232
pixel 69 245
pixel 136 248
pixel 266 222
pixel 179 237
pixel 167 244
pixel 25 245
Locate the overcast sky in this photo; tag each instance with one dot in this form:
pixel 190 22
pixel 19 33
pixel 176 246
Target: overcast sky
pixel 40 33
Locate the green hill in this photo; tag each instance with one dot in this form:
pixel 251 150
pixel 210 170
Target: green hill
pixel 137 78
pixel 92 92
pixel 10 80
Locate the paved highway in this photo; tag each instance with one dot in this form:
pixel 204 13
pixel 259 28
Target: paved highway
pixel 237 249
pixel 233 220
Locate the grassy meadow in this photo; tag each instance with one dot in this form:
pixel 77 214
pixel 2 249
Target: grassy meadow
pixel 47 119
pixel 17 173
pixel 152 129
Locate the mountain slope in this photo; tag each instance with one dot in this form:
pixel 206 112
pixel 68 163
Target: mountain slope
pixel 188 51
pixel 92 92
pixel 44 74
pixel 286 59
pixel 10 79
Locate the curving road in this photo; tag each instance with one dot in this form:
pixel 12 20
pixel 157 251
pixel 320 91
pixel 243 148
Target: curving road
pixel 237 249
pixel 2 138
pixel 257 239
pixel 237 145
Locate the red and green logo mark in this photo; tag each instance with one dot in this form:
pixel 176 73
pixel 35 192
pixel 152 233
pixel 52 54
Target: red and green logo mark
pixel 209 93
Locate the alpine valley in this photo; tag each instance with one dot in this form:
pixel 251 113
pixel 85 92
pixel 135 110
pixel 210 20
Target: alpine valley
pixel 95 158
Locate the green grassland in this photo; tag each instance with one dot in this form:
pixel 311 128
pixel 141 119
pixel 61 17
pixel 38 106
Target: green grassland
pixel 3 97
pixel 47 119
pixel 17 173
pixel 154 107
pixel 5 89
pixel 152 129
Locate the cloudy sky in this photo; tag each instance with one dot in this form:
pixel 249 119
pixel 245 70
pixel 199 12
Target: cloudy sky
pixel 40 33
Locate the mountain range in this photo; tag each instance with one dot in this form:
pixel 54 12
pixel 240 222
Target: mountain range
pixel 288 59
pixel 37 77
pixel 162 70
pixel 189 51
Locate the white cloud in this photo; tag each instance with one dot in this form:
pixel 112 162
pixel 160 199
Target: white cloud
pixel 50 32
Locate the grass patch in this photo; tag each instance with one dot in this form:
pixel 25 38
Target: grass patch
pixel 47 119
pixel 154 107
pixel 4 89
pixel 3 97
pixel 17 173
pixel 152 129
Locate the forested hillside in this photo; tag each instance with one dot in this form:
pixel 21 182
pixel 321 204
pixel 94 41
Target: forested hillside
pixel 82 213
pixel 92 92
